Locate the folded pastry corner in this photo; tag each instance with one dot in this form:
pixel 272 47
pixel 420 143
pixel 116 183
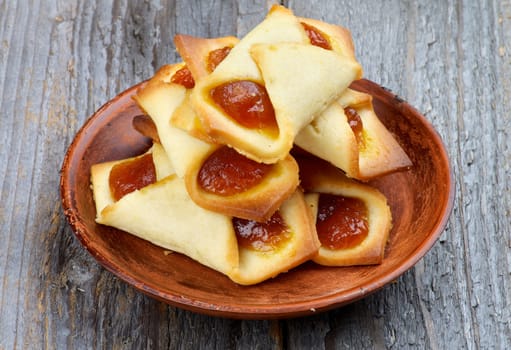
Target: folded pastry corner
pixel 276 246
pixel 153 165
pixel 350 136
pixel 203 55
pixel 330 37
pixel 234 104
pixel 161 213
pixel 170 73
pixel 302 80
pixel 331 138
pixel 185 118
pixel 379 151
pixel 353 220
pixel 160 100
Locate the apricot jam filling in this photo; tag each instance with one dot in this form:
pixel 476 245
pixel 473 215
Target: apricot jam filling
pixel 183 77
pixel 247 103
pixel 217 56
pixel 316 37
pixel 131 175
pixel 355 123
pixel 342 222
pixel 227 172
pixel 262 236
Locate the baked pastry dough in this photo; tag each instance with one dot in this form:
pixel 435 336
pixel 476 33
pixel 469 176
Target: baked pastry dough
pixel 257 202
pixel 379 219
pixel 159 99
pixel 330 137
pixel 339 38
pixel 101 187
pixel 300 79
pixel 201 56
pixel 165 215
pixel 185 118
pixel 197 52
pixel 161 213
pixel 379 152
pixel 301 245
pixel 166 72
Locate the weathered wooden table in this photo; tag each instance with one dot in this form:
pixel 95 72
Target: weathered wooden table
pixel 61 60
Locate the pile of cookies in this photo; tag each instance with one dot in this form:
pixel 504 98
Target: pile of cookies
pixel 260 153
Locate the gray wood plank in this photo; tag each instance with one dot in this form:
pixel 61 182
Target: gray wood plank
pixel 60 61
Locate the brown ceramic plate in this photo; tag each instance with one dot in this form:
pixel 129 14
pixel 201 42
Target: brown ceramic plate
pixel 420 199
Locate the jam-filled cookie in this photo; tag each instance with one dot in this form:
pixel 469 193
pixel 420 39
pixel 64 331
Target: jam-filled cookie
pixel 353 220
pixel 161 212
pixel 142 196
pixel 217 177
pixel 228 182
pixel 284 241
pixel 350 136
pixel 201 56
pixel 271 84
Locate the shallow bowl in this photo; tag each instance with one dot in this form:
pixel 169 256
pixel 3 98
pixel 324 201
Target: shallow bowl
pixel 420 198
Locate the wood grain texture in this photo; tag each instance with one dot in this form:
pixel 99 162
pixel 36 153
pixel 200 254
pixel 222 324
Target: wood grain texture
pixel 61 60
